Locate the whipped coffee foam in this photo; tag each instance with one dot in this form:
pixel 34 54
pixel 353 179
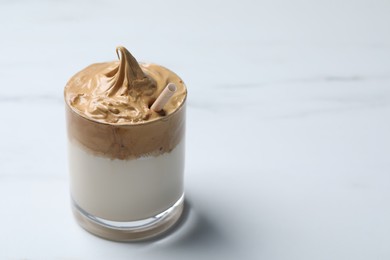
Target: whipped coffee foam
pixel 122 92
pixel 108 109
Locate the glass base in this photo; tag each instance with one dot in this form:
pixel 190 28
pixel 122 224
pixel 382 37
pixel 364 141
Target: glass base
pixel 129 231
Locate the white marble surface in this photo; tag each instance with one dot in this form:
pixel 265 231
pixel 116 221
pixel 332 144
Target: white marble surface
pixel 288 139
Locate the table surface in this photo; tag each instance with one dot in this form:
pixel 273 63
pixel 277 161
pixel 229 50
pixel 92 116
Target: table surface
pixel 288 127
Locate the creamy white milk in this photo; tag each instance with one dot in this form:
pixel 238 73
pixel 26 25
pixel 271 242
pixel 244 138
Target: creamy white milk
pixel 125 190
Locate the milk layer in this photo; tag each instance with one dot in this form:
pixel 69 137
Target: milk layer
pixel 125 190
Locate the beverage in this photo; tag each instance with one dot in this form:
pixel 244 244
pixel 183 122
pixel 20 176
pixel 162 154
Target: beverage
pixel 126 161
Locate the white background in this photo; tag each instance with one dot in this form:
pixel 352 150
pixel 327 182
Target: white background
pixel 288 134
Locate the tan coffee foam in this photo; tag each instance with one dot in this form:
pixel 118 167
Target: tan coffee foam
pixel 127 141
pixel 107 107
pixel 122 92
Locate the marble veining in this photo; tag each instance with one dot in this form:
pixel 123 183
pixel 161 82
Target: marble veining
pixel 30 98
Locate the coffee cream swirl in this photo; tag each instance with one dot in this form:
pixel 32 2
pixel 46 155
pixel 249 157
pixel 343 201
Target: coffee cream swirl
pixel 121 92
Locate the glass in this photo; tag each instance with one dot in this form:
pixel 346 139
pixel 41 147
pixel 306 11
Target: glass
pixel 135 191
